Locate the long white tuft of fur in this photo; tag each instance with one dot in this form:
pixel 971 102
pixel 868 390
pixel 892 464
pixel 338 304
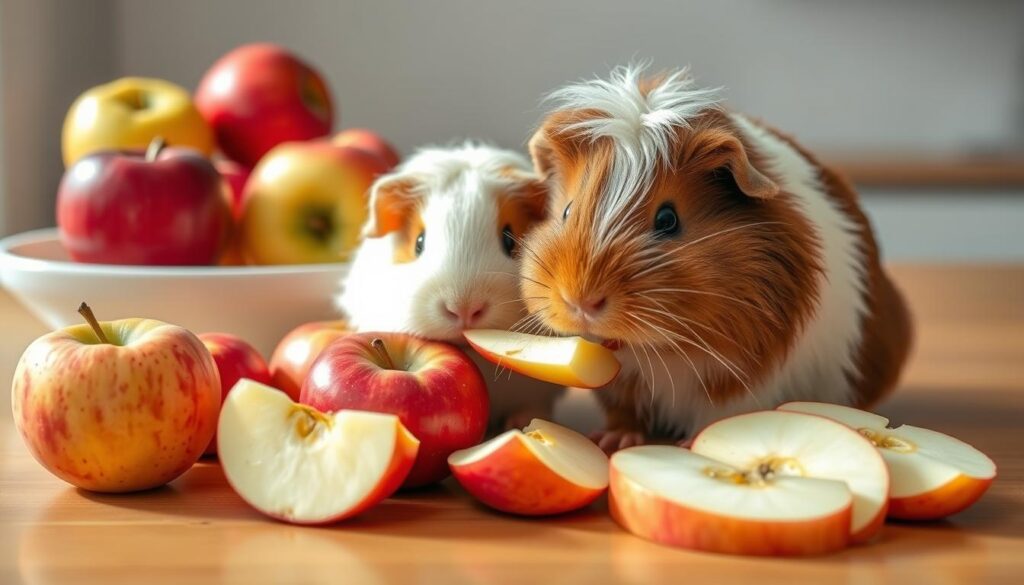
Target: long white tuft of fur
pixel 642 126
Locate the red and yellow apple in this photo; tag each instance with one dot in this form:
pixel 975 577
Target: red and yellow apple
pixel 369 141
pixel 296 352
pixel 566 361
pixel 260 95
pixel 165 206
pixel 541 470
pixel 236 176
pixel 754 484
pixel 434 388
pixel 116 406
pixel 235 359
pixel 306 202
pixel 933 474
pixel 297 464
pixel 128 114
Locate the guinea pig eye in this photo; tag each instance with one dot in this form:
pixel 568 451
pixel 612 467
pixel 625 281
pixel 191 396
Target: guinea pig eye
pixel 508 240
pixel 565 214
pixel 419 243
pixel 666 222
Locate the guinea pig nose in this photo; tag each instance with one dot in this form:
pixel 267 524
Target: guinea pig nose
pixel 466 313
pixel 594 305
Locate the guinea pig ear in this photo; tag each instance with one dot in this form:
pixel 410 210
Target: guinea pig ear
pixel 542 154
pixel 530 192
pixel 718 149
pixel 392 198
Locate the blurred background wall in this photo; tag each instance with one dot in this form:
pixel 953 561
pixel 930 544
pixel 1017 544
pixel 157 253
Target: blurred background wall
pixel 912 97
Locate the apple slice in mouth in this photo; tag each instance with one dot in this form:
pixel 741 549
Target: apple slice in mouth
pixel 299 465
pixel 756 484
pixel 541 470
pixel 567 361
pixel 933 474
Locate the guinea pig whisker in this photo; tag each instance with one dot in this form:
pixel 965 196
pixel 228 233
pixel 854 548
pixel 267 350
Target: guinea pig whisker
pixel 679 350
pixel 650 311
pixel 537 282
pixel 521 242
pixel 682 321
pixel 726 231
pixel 714 294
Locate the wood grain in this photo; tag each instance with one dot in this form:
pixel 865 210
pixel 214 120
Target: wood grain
pixel 966 378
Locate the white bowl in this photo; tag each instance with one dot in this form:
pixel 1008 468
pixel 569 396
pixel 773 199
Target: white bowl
pixel 258 303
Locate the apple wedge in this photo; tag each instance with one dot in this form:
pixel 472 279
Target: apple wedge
pixel 296 464
pixel 755 484
pixel 933 475
pixel 567 361
pixel 541 470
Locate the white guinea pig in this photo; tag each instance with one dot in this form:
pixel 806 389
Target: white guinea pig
pixel 440 255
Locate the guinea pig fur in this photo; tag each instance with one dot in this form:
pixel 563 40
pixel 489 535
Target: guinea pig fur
pixel 731 268
pixel 440 254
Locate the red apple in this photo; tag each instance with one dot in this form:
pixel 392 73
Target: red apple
pixel 163 207
pixel 260 95
pixel 369 141
pixel 434 388
pixel 236 175
pixel 235 359
pixel 116 406
pixel 296 352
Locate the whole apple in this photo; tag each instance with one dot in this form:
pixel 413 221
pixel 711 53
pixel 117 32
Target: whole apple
pixel 116 406
pixel 166 206
pixel 369 141
pixel 296 352
pixel 235 359
pixel 436 390
pixel 129 113
pixel 306 203
pixel 260 95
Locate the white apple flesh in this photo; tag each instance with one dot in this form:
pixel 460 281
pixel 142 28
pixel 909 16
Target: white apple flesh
pixel 299 465
pixel 542 469
pixel 933 475
pixel 567 361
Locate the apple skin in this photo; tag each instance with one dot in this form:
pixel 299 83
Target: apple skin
pixel 955 496
pixel 235 359
pixel 260 95
pixel 306 202
pixel 130 112
pixel 117 418
pixel 236 176
pixel 657 519
pixel 438 393
pixel 513 480
pixel 369 141
pixel 120 208
pixel 295 353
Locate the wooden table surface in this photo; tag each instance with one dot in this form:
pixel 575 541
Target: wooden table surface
pixel 966 378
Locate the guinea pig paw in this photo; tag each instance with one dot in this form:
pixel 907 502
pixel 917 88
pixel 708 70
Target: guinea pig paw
pixel 612 440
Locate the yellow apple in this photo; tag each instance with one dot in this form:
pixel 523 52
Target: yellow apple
pixel 128 114
pixel 567 361
pixel 117 406
pixel 306 203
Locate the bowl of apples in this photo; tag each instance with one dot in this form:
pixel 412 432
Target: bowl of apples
pixel 231 208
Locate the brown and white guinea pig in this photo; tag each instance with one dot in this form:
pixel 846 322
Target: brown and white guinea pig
pixel 732 269
pixel 440 254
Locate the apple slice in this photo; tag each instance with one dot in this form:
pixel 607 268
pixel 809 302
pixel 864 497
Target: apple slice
pixel 673 496
pixel 933 475
pixel 296 464
pixel 543 469
pixel 758 484
pixel 806 445
pixel 567 361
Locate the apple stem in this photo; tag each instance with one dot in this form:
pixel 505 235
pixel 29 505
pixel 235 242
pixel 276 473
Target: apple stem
pixel 155 146
pixel 382 351
pixel 86 312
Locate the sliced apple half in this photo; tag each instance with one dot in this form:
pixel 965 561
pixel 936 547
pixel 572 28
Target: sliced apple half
pixel 297 464
pixel 933 474
pixel 805 445
pixel 567 361
pixel 541 470
pixel 676 497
